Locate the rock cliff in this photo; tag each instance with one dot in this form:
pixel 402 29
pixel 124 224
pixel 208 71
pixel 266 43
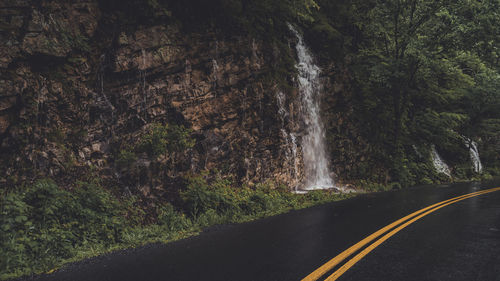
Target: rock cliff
pixel 76 88
pixel 68 106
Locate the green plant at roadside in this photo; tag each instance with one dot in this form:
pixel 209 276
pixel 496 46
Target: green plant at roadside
pixel 44 226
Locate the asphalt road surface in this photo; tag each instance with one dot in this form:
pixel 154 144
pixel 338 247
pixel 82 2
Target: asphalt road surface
pixel 459 241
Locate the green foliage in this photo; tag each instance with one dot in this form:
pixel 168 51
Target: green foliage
pixel 57 135
pixel 325 38
pixel 199 197
pixel 171 219
pixel 424 73
pixel 372 186
pixel 161 139
pixel 220 200
pixel 44 224
pixel 125 159
pixel 133 12
pixel 261 18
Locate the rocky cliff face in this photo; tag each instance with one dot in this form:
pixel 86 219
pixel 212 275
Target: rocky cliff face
pixel 76 88
pixel 74 92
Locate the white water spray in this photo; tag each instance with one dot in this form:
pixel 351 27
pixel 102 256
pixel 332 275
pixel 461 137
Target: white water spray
pixel 439 164
pixel 474 155
pixel 316 172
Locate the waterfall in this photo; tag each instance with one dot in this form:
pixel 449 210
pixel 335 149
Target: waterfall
pixel 293 142
pixel 289 138
pixel 106 108
pixel 316 172
pixel 439 164
pixel 41 97
pixel 254 50
pixel 474 155
pixel 100 79
pixel 215 70
pixel 283 113
pixel 215 65
pixel 142 82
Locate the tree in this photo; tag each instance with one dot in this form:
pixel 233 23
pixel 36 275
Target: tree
pixel 410 70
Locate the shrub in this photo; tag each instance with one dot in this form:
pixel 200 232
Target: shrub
pixel 199 197
pixel 171 219
pixel 44 224
pixel 163 138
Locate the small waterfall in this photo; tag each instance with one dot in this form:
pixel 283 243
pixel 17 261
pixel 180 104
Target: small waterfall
pixel 215 65
pixel 283 113
pixel 107 103
pixel 289 138
pixel 317 174
pixel 439 164
pixel 106 108
pixel 417 151
pixel 41 120
pixel 261 114
pixel 215 70
pixel 474 155
pixel 41 97
pixel 142 82
pixel 254 50
pixel 293 142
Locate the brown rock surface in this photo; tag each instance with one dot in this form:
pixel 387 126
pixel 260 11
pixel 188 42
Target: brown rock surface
pixel 66 104
pixel 75 90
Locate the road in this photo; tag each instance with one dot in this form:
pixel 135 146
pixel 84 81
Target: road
pixel 459 241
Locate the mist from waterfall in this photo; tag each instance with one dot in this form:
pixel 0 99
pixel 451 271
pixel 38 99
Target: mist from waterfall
pixel 316 172
pixel 439 164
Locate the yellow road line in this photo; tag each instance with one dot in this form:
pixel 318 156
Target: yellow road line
pixel 370 248
pixel 315 275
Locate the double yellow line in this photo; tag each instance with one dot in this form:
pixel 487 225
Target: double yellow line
pixel 403 222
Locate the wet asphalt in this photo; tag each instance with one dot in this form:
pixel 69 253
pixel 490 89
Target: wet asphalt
pixel 457 242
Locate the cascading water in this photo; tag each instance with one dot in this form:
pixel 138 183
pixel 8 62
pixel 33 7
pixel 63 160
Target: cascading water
pixel 215 70
pixel 40 102
pixel 439 164
pixel 289 138
pixel 215 66
pixel 103 100
pixel 102 60
pixel 283 113
pixel 142 82
pixel 474 155
pixel 316 172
